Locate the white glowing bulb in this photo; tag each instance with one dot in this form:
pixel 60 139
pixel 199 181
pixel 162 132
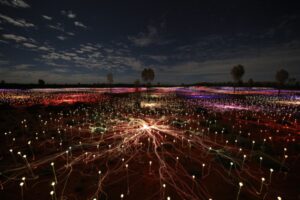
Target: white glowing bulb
pixel 145 127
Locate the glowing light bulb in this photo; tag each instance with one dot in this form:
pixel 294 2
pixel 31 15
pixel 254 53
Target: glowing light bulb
pixel 241 184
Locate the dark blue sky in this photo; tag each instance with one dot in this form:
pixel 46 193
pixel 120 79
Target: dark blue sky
pixel 71 41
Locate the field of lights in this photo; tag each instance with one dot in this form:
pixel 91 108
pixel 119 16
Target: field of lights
pixel 149 144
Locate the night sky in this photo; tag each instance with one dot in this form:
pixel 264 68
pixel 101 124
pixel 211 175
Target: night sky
pixel 72 41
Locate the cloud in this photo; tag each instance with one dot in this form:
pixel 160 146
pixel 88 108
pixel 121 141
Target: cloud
pixel 90 56
pixel 152 36
pixel 43 48
pixel 15 38
pixel 16 22
pixel 71 33
pixel 87 48
pixel 19 39
pixel 22 66
pixel 55 56
pixel 133 63
pixel 29 45
pixel 60 70
pixel 3 41
pixel 47 17
pixel 68 13
pixel 145 39
pixel 61 37
pixel 259 67
pixel 79 24
pixel 57 27
pixel 3 62
pixel 157 58
pixel 15 3
pixel 54 64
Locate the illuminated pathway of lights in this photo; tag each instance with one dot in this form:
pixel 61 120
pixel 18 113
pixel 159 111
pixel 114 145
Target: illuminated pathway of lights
pixel 116 150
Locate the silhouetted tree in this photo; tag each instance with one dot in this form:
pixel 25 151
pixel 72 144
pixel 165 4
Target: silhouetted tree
pixel 110 79
pixel 281 77
pixel 237 73
pixel 148 75
pixel 137 84
pixel 250 82
pixel 3 82
pixel 41 82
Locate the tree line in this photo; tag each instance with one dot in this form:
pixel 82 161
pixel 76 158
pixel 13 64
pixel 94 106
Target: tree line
pixel 148 75
pixel 238 71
